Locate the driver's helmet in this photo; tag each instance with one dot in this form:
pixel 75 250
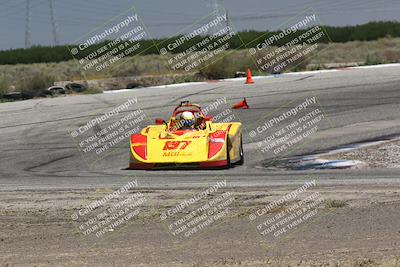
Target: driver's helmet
pixel 187 119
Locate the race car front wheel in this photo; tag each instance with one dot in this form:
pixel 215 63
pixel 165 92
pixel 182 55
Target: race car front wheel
pixel 228 157
pixel 241 160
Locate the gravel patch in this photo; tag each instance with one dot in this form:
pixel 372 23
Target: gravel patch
pixel 386 155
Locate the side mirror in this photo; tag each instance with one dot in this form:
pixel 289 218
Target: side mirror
pixel 160 121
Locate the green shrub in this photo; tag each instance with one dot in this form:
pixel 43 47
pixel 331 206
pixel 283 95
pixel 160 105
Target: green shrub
pixel 391 56
pixel 4 85
pixel 300 65
pixel 370 60
pixel 216 70
pixel 330 203
pixel 35 85
pixel 92 91
pixel 227 66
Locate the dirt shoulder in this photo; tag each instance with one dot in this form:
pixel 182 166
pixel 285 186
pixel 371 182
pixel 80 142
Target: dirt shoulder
pixel 351 226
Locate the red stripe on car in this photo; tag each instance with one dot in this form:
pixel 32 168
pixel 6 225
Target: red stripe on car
pixel 139 145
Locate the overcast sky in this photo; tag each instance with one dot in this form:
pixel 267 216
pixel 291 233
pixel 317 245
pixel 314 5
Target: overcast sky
pixel 167 17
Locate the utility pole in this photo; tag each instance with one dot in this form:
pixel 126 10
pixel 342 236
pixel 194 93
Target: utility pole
pixel 53 23
pixel 27 25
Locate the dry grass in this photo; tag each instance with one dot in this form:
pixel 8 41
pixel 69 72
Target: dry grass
pixel 385 50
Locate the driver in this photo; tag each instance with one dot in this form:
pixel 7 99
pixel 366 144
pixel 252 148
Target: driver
pixel 187 121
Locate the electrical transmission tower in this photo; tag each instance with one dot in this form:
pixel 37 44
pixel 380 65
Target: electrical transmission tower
pixel 228 21
pixel 28 22
pixel 53 23
pixel 216 10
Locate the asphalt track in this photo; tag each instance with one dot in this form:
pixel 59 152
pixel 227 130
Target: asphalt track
pixel 37 151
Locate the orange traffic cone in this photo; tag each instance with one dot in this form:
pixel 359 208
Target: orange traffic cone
pixel 241 105
pixel 249 79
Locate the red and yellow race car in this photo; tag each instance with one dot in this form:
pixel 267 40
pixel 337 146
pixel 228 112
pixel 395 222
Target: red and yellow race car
pixel 190 139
